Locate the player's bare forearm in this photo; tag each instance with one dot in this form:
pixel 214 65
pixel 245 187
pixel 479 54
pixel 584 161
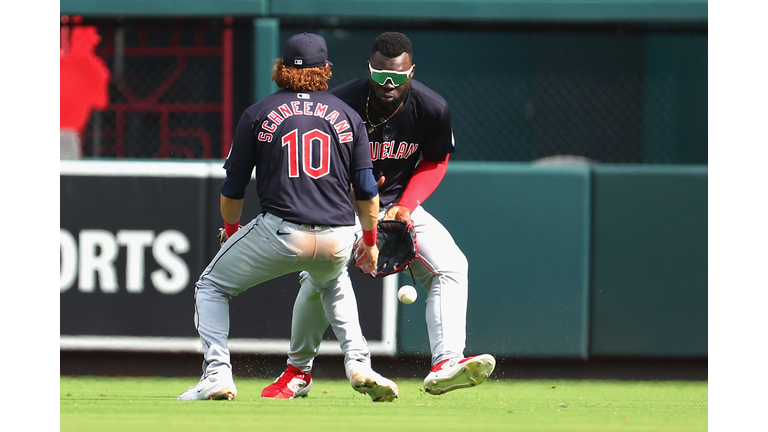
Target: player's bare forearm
pixel 231 209
pixel 368 212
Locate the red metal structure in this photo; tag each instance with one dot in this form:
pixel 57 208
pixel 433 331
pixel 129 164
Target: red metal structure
pixel 155 102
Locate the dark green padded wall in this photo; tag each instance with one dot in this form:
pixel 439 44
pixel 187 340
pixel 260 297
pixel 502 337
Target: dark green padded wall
pixel 649 261
pixel 525 230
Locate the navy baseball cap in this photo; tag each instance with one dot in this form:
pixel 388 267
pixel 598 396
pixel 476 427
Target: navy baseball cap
pixel 305 50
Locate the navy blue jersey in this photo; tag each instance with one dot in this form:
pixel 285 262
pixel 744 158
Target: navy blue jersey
pixel 304 147
pixel 422 128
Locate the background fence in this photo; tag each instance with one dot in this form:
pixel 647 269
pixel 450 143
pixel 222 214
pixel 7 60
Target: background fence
pixel 170 92
pixel 611 85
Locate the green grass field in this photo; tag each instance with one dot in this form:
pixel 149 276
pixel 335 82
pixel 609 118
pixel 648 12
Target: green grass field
pixel 149 404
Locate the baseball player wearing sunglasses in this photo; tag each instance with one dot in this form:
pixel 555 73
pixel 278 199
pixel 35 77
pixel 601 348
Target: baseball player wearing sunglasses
pixel 410 137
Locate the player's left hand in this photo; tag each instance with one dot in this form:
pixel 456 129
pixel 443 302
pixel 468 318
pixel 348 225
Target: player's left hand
pixel 223 237
pixel 398 213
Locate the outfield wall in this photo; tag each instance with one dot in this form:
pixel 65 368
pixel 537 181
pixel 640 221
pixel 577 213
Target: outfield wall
pixel 578 261
pixel 649 261
pixel 135 236
pixel 566 262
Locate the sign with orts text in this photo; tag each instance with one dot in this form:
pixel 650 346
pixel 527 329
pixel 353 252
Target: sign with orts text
pixel 134 238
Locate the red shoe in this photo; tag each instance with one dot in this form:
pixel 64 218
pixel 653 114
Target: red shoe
pixel 457 373
pixel 290 384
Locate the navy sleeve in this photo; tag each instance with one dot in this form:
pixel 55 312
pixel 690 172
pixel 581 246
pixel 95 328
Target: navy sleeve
pixel 441 142
pixel 364 184
pixel 234 186
pixel 242 155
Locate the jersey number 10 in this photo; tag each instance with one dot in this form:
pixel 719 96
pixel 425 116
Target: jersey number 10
pixel 311 142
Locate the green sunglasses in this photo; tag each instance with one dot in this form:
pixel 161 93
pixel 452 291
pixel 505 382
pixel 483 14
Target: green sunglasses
pixel 398 78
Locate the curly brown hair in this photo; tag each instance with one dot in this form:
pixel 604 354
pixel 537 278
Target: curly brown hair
pixel 307 79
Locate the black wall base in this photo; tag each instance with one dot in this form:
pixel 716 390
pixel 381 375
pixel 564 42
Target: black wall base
pixel 94 363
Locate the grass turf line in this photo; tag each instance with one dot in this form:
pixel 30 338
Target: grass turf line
pixel 149 404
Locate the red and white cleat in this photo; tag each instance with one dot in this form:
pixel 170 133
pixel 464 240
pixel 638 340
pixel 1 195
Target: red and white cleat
pixel 457 373
pixel 290 384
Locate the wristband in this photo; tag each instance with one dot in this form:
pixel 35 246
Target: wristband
pixel 231 228
pixel 369 237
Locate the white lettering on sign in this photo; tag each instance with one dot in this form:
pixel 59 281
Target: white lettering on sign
pixel 165 249
pixel 97 253
pixel 135 242
pixel 68 260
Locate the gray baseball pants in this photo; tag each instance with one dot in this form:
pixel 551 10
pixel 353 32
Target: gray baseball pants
pixel 441 269
pixel 264 249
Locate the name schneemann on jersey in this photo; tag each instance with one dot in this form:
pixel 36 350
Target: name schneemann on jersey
pixel 278 115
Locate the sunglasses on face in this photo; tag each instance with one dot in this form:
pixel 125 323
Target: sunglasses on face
pixel 397 78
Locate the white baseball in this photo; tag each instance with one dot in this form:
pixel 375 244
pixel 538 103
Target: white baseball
pixel 407 294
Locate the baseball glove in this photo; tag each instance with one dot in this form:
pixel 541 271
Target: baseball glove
pixel 222 235
pixel 397 246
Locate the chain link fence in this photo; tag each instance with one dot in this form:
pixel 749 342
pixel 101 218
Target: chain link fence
pixel 170 91
pixel 516 94
pixel 602 94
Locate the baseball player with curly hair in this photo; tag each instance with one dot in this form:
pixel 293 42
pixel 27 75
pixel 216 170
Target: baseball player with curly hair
pixel 307 147
pixel 410 137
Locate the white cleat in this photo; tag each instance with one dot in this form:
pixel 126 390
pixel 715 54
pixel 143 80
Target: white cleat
pixel 457 373
pixel 214 386
pixel 380 389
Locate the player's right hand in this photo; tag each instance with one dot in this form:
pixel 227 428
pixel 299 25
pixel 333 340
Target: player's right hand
pixel 399 213
pixel 367 257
